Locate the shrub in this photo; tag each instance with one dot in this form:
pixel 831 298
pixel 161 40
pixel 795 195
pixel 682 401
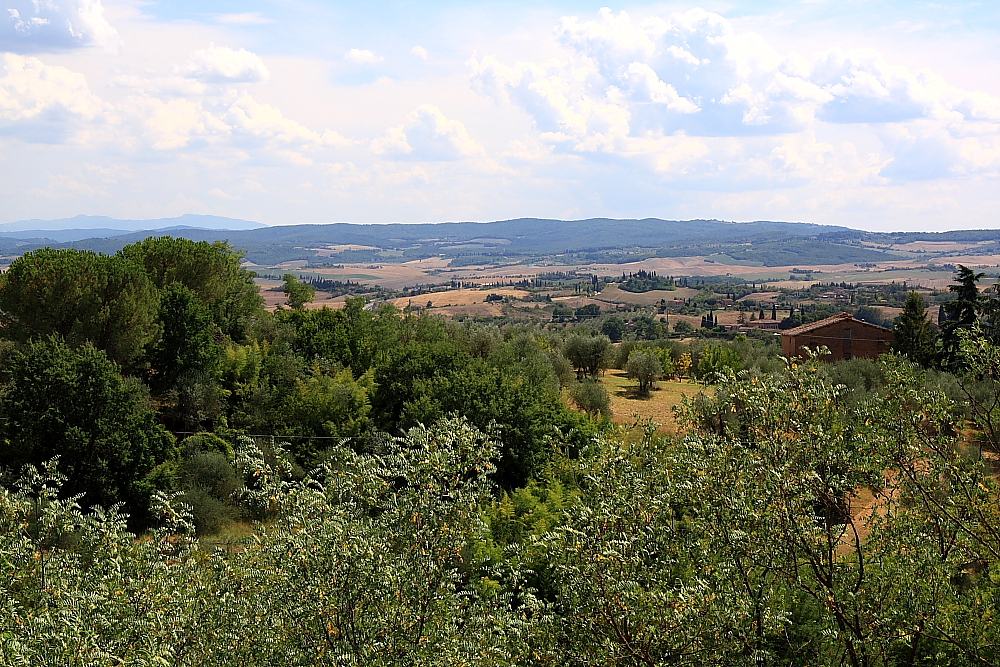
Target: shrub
pixel 592 397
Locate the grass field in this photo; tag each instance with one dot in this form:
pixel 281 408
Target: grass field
pixel 658 406
pixel 614 294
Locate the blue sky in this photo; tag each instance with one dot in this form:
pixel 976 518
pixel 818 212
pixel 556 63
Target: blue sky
pixel 876 115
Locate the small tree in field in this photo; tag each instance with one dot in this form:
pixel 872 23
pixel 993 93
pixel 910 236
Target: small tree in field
pixel 592 397
pixel 644 367
pixel 683 365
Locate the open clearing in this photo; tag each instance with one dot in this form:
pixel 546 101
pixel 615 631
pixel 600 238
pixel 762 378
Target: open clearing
pixel 658 406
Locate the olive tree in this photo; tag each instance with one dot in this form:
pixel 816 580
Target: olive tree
pixel 644 367
pixel 587 353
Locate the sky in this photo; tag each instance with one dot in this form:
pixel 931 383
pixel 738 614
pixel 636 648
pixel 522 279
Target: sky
pixel 880 115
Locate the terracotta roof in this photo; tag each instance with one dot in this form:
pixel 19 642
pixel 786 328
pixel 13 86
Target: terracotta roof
pixel 819 324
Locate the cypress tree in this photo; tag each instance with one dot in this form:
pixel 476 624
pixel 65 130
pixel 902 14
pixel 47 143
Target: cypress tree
pixel 914 335
pixel 959 314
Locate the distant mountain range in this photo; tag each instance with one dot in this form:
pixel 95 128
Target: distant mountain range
pixel 98 226
pixel 761 243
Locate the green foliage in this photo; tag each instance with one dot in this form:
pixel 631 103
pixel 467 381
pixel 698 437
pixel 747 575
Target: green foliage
pixel 587 353
pixel 211 270
pixel 666 358
pixel 644 367
pixel 561 311
pixel 82 297
pixel 351 336
pixel 644 281
pixel 72 403
pixel 784 460
pixel 297 294
pixel 716 359
pixel 592 397
pixel 330 406
pixel 914 335
pixel 423 382
pixel 632 582
pixel 614 328
pixel 788 525
pixel 959 316
pixel 187 344
pixel 648 328
pixel 304 591
pixel 868 314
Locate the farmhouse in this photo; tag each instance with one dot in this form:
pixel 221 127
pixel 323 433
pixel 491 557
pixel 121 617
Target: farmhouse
pixel 771 325
pixel 845 337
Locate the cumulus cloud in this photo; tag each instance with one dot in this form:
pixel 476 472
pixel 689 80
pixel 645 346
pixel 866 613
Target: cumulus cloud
pixel 162 86
pixel 419 52
pixel 174 124
pixel 428 135
pixel 51 104
pixel 647 89
pixel 32 26
pixel 262 121
pixel 242 123
pixel 218 64
pixel 926 150
pixel 693 73
pixel 690 72
pixel 44 103
pixel 362 57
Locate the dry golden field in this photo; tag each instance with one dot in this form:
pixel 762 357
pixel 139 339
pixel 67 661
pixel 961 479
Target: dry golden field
pixel 658 406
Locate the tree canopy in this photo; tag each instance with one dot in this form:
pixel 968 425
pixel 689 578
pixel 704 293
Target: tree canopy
pixel 82 297
pixel 74 404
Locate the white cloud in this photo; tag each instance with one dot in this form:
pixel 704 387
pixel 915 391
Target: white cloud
pixel 926 150
pixel 51 104
pixel 427 135
pixel 645 90
pixel 162 86
pixel 35 26
pixel 362 57
pixel 174 124
pixel 419 52
pixel 45 103
pixel 218 64
pixel 249 118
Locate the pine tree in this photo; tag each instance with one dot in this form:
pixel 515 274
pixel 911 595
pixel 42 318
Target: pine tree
pixel 914 334
pixel 959 315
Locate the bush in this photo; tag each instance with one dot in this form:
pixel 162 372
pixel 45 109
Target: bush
pixel 716 359
pixel 592 397
pixel 209 483
pixel 562 369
